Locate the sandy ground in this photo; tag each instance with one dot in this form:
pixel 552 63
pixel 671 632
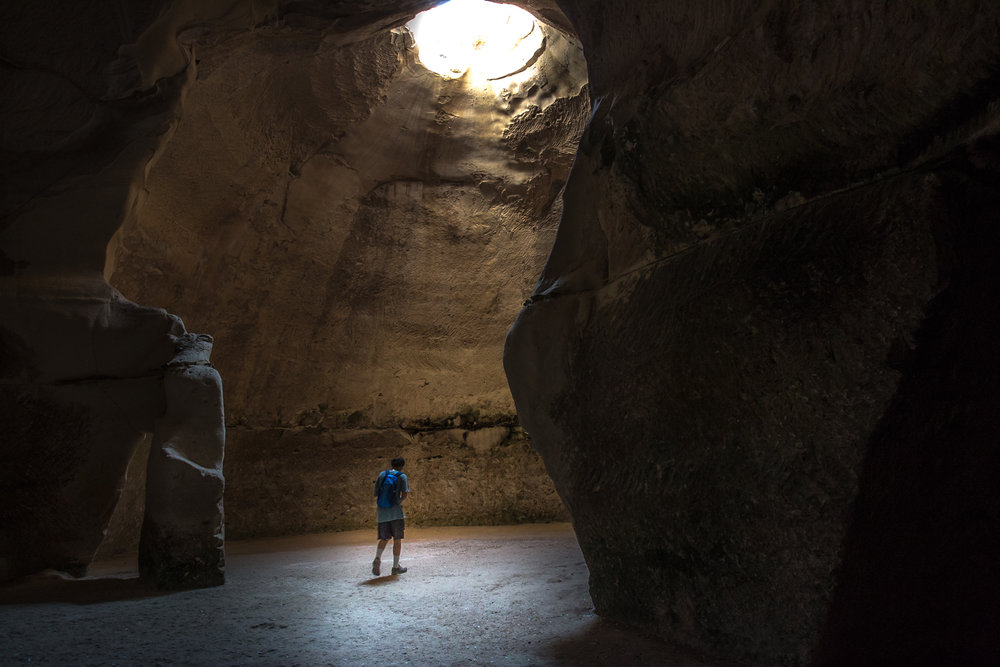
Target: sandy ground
pixel 472 596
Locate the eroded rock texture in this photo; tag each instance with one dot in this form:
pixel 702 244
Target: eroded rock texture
pixel 81 385
pixel 756 329
pixel 182 530
pixel 358 233
pixel 759 364
pixel 88 103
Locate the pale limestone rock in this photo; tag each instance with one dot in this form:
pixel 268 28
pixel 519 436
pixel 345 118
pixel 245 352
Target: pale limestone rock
pixel 357 233
pixel 80 367
pixel 182 541
pixel 485 439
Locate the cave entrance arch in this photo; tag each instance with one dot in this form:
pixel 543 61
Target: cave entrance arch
pixel 358 233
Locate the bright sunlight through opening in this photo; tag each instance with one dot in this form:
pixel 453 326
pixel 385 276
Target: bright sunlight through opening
pixel 488 40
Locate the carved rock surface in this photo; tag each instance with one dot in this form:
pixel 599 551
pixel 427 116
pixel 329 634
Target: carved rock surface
pixel 89 99
pixel 183 542
pixel 280 482
pixel 759 363
pixel 81 384
pixel 357 233
pixel 760 281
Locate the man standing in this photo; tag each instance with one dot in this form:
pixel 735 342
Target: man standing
pixel 391 489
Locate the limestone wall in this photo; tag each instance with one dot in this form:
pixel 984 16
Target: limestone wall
pixel 759 363
pixel 358 233
pixel 758 273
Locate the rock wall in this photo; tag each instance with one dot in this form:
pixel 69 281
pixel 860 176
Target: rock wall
pixel 760 281
pixel 92 92
pixel 81 386
pixel 358 233
pixel 298 481
pixel 765 327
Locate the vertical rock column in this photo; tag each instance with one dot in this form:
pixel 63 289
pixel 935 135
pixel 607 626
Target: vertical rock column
pixel 182 542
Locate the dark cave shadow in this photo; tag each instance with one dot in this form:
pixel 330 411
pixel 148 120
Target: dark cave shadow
pixel 380 581
pixel 607 644
pixel 56 588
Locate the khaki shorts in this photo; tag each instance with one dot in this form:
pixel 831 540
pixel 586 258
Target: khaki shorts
pixel 391 529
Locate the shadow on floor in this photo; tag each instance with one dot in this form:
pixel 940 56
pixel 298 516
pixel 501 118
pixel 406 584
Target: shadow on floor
pixel 40 589
pixel 605 644
pixel 380 581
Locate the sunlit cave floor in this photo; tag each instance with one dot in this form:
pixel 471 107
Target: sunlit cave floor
pixel 512 595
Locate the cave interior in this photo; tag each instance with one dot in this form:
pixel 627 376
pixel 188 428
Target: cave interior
pixel 714 282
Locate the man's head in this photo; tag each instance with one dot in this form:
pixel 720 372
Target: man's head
pixel 398 462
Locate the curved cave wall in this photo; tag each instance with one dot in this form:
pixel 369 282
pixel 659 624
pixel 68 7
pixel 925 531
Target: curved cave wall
pixel 357 233
pixel 758 365
pixel 756 328
pixel 85 373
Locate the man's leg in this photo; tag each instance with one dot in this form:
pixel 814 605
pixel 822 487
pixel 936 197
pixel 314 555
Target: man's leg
pixel 377 563
pixel 397 547
pixel 397 527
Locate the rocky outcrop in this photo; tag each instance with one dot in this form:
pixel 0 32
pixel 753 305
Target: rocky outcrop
pixel 182 530
pixel 81 384
pixel 759 284
pixel 81 374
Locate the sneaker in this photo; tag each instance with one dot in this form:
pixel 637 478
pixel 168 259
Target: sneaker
pixel 398 570
pixel 376 567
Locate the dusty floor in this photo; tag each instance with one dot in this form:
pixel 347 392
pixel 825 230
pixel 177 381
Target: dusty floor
pixel 472 596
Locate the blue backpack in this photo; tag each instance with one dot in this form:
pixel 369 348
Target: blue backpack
pixel 388 490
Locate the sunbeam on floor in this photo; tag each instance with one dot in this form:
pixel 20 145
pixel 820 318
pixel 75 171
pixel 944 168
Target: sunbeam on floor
pixel 512 595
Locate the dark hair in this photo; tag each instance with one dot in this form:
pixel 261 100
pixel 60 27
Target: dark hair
pixel 398 462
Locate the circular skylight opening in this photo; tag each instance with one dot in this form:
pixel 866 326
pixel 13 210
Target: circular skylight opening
pixel 487 40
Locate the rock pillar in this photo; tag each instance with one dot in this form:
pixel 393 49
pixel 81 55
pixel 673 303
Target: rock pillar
pixel 182 543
